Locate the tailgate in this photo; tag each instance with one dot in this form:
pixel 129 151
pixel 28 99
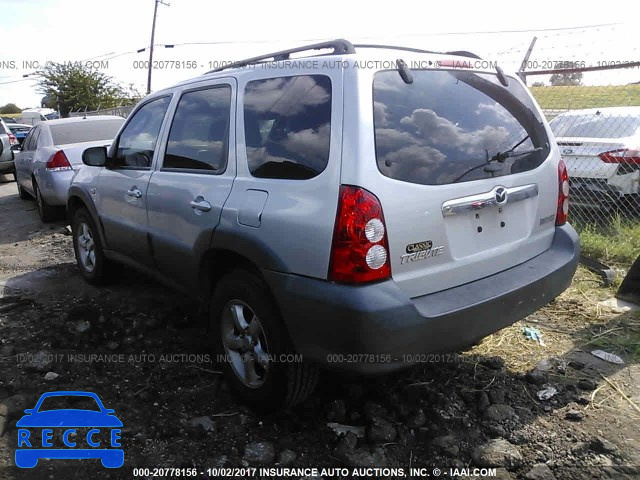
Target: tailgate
pixel 471 181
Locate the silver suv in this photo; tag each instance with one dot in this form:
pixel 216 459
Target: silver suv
pixel 7 143
pixel 358 208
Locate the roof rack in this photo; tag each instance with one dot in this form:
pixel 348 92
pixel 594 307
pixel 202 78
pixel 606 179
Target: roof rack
pixel 339 47
pixel 393 47
pixel 464 53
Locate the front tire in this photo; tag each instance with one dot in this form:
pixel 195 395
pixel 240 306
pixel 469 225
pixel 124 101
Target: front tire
pixel 251 340
pixel 94 266
pixel 47 212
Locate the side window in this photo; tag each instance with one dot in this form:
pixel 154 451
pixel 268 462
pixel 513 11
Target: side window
pixel 138 139
pixel 26 143
pixel 199 135
pixel 287 126
pixel 31 140
pixel 36 139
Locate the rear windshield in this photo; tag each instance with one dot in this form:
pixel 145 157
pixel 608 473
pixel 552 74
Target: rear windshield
pixel 595 125
pixel 449 126
pixel 20 129
pixel 88 131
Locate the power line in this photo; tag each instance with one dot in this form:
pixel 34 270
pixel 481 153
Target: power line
pixel 17 81
pixel 408 35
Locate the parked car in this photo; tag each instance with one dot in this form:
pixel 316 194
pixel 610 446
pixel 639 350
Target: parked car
pixel 20 130
pixel 35 115
pixel 601 148
pixel 52 151
pixel 360 217
pixel 7 140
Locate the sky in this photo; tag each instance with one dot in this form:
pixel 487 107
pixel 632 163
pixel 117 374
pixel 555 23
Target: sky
pixel 205 32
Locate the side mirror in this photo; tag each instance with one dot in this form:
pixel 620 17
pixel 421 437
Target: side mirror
pixel 109 411
pixel 16 148
pixel 95 156
pixel 29 411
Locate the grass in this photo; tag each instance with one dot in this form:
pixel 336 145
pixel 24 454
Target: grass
pixel 615 244
pixel 585 96
pixel 624 339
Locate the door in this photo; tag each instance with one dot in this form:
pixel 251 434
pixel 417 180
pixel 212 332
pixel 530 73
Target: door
pixel 122 186
pixel 24 158
pixel 196 171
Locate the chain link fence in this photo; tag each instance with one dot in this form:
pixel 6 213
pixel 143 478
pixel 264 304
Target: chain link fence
pixel 595 118
pixel 122 111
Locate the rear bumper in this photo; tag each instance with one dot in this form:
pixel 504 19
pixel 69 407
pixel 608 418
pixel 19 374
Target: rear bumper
pixel 377 328
pixel 7 166
pixel 55 186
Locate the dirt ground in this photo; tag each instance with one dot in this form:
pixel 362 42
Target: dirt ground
pixel 151 364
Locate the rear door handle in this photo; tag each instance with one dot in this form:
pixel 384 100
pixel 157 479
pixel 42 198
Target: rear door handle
pixel 134 192
pixel 200 204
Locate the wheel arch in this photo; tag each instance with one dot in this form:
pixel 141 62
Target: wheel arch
pixel 78 198
pixel 217 262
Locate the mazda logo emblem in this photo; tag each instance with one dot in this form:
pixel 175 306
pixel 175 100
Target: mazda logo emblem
pixel 501 195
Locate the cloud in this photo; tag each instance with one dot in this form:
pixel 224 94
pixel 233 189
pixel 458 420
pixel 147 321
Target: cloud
pixel 439 131
pixel 286 95
pixel 380 115
pixel 309 147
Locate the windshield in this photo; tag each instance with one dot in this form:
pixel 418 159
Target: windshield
pixel 62 402
pixel 595 125
pixel 435 129
pixel 89 131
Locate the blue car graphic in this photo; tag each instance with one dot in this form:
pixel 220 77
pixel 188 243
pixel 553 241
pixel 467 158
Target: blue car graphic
pixel 35 431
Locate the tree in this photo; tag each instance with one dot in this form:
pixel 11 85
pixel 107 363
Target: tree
pixel 74 86
pixel 537 84
pixel 566 78
pixel 10 108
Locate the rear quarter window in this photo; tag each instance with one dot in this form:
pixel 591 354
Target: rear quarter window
pixel 287 122
pixel 446 126
pixel 596 125
pixel 77 132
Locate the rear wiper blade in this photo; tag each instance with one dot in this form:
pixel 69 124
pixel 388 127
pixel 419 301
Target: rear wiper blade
pixel 490 166
pixel 502 156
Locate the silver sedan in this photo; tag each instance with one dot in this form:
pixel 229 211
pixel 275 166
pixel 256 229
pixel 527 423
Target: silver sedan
pixel 52 152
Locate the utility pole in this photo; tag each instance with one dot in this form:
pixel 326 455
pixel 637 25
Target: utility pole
pixel 153 34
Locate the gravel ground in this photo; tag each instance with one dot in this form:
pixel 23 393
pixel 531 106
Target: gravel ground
pixel 152 364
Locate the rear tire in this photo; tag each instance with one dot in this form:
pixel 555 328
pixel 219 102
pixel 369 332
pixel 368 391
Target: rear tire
pixel 22 193
pixel 47 212
pixel 248 334
pixel 94 266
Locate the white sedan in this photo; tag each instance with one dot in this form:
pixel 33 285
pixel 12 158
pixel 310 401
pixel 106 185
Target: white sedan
pixel 601 148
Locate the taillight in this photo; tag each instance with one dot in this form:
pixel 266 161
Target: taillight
pixel 623 155
pixel 12 139
pixel 563 194
pixel 58 162
pixel 360 249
